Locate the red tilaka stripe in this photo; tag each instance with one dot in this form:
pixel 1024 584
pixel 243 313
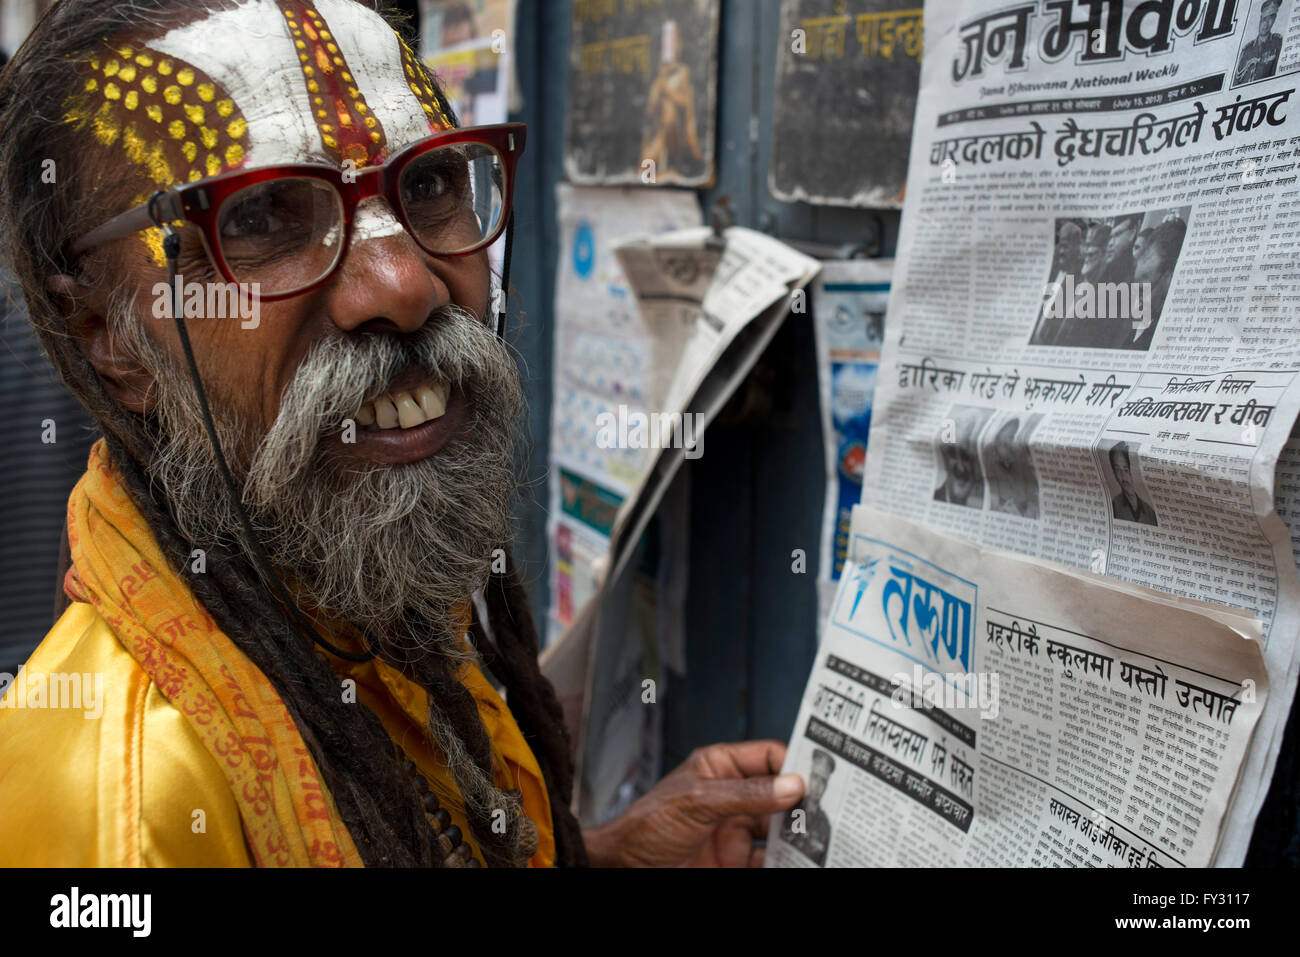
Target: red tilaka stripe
pixel 348 129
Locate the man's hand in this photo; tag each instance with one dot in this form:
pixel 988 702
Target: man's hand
pixel 707 813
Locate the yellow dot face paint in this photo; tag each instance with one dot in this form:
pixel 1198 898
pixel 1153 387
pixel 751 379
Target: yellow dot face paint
pixel 122 106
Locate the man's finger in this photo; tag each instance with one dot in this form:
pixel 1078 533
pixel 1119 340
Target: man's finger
pixel 734 845
pixel 743 758
pixel 745 797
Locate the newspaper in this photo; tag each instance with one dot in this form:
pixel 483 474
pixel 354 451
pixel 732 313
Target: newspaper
pixel 1089 355
pixel 711 304
pixel 714 304
pixel 969 708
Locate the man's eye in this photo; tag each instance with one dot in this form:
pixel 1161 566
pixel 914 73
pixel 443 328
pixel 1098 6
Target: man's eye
pixel 425 185
pixel 250 219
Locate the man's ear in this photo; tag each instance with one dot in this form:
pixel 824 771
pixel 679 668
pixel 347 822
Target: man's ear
pixel 129 383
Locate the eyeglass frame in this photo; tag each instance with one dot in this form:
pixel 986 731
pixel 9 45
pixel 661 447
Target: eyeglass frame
pixel 200 202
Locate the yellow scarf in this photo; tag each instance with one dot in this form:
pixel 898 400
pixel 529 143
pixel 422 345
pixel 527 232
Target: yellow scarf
pixel 288 815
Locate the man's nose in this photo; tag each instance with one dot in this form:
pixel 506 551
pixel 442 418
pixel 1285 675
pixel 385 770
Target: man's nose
pixel 385 278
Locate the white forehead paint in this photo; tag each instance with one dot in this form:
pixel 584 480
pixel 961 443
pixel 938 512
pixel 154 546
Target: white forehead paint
pixel 249 51
pixel 374 221
pixel 374 55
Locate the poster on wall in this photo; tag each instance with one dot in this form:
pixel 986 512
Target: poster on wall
pixel 603 371
pixel 465 43
pixel 642 92
pixel 847 75
pixel 849 302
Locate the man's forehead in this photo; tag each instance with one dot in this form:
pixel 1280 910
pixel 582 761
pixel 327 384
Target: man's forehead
pixel 328 80
pixel 260 83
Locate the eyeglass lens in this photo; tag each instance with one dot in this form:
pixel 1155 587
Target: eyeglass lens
pixel 287 233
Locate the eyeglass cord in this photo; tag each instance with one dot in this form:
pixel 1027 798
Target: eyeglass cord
pixel 505 276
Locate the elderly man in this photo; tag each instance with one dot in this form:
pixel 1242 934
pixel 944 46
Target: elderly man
pixel 275 547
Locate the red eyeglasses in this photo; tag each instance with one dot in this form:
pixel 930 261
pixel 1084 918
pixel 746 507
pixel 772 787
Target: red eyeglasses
pixel 288 227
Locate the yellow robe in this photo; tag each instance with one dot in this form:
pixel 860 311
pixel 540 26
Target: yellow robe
pixel 132 777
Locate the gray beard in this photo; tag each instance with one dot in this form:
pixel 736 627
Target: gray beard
pixel 394 549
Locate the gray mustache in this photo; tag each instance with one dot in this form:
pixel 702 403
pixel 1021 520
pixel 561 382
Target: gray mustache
pixel 342 372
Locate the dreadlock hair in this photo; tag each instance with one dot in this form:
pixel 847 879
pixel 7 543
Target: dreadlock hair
pixel 377 800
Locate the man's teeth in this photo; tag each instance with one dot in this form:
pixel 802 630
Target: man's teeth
pixel 432 399
pixel 406 410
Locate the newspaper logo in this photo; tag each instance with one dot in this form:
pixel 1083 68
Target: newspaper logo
pixel 910 606
pixel 939 619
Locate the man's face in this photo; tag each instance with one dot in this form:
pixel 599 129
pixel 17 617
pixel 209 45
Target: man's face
pixel 817 779
pixel 1094 248
pixel 1070 239
pixel 300 81
pixel 1124 474
pixel 959 462
pixel 1267 16
pixel 1147 265
pixel 386 521
pixel 1005 454
pixel 1120 240
pixel 1139 244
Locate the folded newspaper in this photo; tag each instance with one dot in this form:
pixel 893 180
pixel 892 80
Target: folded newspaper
pixel 969 708
pixel 1090 351
pixel 713 305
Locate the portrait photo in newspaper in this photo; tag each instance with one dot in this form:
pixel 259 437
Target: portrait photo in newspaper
pixel 1009 465
pixel 960 480
pixel 807 827
pixel 1109 278
pixel 1120 468
pixel 1261 43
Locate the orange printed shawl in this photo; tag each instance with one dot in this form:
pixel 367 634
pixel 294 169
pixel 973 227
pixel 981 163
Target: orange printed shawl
pixel 288 815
